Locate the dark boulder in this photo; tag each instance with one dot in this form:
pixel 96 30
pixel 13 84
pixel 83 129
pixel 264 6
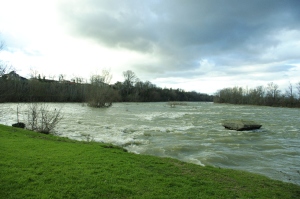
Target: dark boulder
pixel 19 125
pixel 241 125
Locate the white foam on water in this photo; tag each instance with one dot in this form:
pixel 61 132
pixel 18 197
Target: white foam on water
pixel 160 115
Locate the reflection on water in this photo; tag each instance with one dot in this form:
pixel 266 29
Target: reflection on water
pixel 191 133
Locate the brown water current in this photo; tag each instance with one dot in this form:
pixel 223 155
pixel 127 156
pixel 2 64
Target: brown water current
pixel 191 133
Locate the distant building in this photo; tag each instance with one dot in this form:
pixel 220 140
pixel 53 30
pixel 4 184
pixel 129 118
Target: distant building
pixel 13 76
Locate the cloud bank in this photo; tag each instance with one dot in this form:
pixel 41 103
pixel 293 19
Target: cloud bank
pixel 183 36
pixel 193 43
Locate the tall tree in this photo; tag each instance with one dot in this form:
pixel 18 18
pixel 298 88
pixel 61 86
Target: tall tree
pixel 290 95
pixel 4 68
pixel 129 80
pixel 298 89
pixel 272 94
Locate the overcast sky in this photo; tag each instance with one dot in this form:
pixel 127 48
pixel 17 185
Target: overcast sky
pixel 201 45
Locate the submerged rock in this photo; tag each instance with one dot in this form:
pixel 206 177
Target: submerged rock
pixel 241 125
pixel 19 125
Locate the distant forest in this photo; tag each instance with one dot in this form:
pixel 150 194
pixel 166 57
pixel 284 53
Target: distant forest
pixel 97 92
pixel 266 96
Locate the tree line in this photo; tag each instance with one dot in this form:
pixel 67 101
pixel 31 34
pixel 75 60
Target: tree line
pixel 97 92
pixel 269 95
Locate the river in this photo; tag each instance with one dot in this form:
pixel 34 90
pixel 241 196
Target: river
pixel 191 133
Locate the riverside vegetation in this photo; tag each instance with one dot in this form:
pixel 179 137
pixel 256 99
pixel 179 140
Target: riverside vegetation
pixel 269 95
pixel 34 165
pixel 97 92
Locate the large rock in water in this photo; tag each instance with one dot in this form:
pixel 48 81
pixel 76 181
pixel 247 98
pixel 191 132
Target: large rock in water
pixel 240 125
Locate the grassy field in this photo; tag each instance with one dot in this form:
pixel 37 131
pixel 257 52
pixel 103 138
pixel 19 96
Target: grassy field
pixel 34 165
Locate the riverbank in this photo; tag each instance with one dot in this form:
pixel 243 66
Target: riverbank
pixel 34 165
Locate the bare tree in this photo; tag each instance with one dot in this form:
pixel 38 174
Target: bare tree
pixel 290 95
pixel 272 93
pixel 298 89
pixel 61 78
pixel 4 68
pixel 289 91
pixel 41 119
pixel 129 80
pixel 130 77
pixel 77 79
pixel 101 79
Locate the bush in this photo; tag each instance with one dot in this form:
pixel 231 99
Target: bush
pixel 41 119
pixel 100 94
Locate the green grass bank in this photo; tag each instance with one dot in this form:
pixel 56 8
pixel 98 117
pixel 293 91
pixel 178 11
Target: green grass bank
pixel 34 165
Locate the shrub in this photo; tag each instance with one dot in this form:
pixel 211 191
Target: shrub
pixel 41 119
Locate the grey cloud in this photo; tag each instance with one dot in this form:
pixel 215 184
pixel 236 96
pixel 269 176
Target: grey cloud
pixel 115 24
pixel 181 33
